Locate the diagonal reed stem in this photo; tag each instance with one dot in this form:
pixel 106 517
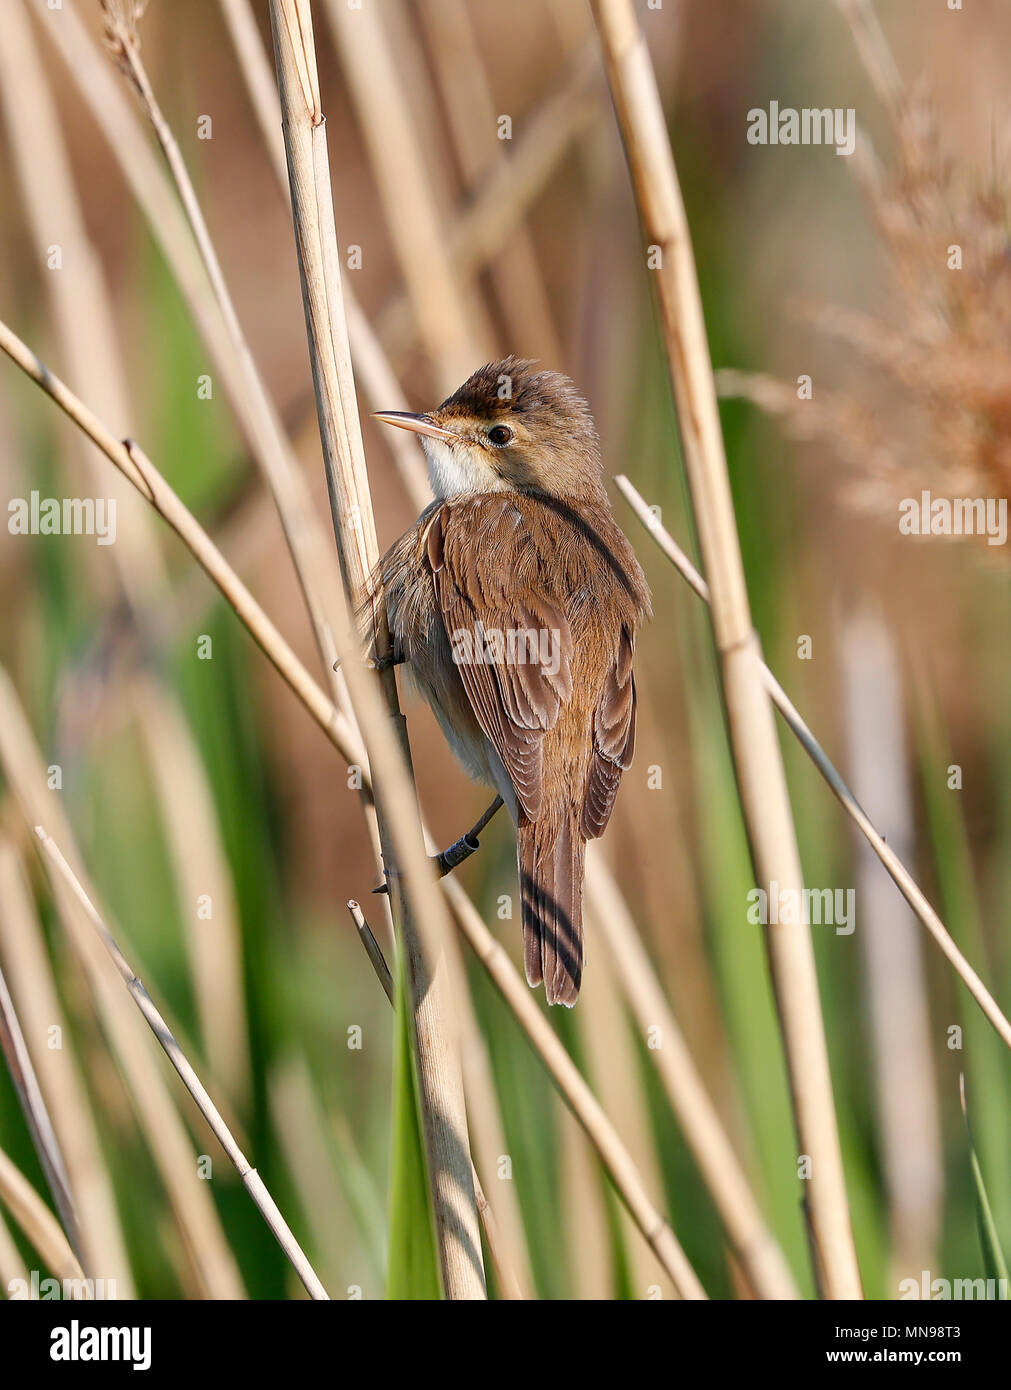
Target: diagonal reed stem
pixel 901 876
pixel 250 1177
pixel 40 1226
pixel 40 1126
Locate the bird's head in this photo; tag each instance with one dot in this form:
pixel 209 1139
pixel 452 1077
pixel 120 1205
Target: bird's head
pixel 510 428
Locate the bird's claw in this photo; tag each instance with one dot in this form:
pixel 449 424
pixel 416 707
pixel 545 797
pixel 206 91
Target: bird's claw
pixel 445 862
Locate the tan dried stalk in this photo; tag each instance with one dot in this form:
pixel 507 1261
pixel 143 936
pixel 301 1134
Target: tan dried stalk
pixel 26 958
pixel 504 1271
pixel 40 1226
pixel 379 384
pixel 757 758
pixel 253 1183
pixel 451 324
pixel 87 336
pixel 418 910
pixel 33 1106
pixel 577 1095
pixel 11 1264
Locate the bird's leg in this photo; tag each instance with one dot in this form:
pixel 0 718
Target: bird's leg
pixel 465 846
pixel 459 850
pixel 384 663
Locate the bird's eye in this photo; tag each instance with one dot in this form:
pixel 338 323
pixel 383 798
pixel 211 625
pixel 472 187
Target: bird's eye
pixel 500 434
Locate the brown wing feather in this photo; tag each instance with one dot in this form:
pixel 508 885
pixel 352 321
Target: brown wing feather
pixel 475 549
pixel 613 740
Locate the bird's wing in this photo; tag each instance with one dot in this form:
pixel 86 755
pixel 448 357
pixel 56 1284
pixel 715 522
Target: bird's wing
pixel 486 570
pixel 613 738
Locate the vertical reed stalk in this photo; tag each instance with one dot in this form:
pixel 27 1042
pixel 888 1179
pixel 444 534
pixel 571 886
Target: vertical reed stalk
pixel 753 1244
pixel 452 325
pixel 756 753
pixel 418 910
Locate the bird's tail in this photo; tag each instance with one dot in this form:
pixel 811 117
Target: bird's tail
pixel 551 886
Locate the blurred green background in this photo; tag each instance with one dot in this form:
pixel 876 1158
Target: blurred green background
pixel 908 673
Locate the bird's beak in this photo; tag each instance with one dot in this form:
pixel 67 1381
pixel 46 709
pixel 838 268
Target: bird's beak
pixel 420 424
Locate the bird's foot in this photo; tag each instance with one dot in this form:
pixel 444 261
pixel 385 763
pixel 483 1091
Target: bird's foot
pixel 457 852
pixel 378 663
pixel 444 863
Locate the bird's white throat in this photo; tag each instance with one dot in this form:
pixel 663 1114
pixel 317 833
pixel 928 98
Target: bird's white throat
pixel 446 471
pixel 452 470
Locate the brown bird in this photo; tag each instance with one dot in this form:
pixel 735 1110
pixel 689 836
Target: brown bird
pixel 515 599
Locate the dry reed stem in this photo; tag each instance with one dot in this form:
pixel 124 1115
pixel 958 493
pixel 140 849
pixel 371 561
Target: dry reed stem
pixel 487 224
pixel 450 323
pixel 504 1271
pixel 280 468
pixel 455 54
pixel 418 910
pixel 103 1253
pixel 204 1241
pixel 372 367
pixel 33 1105
pixel 40 1226
pixel 250 1177
pixel 757 757
pixel 900 875
pixel 11 1264
pixel 86 329
pixel 751 1241
pixel 576 1094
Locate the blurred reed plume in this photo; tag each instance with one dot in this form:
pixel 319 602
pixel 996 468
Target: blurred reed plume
pixel 929 403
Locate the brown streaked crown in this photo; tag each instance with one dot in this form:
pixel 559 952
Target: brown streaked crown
pixel 555 446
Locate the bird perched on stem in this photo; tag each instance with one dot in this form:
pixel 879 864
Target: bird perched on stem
pixel 515 600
